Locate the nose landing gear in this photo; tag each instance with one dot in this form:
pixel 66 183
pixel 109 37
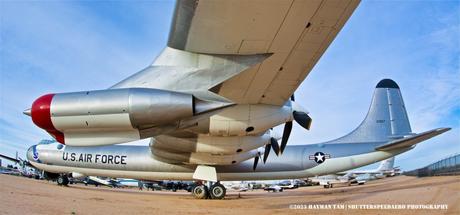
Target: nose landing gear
pixel 214 191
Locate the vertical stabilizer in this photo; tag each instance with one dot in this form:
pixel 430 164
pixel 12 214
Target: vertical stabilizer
pixel 387 165
pixel 387 117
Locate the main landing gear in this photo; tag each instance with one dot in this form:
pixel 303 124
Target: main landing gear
pixel 62 180
pixel 210 191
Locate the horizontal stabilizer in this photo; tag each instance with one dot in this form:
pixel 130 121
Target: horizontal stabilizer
pixel 412 140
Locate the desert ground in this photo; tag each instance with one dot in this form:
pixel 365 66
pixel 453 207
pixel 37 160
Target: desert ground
pixel 20 195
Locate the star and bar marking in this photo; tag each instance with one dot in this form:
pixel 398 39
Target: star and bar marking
pixel 319 157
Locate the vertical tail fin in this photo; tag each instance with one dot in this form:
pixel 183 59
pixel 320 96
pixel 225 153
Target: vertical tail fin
pixel 387 164
pixel 387 117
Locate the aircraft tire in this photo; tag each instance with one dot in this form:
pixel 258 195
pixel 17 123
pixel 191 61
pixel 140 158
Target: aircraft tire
pixel 200 192
pixel 62 180
pixel 217 191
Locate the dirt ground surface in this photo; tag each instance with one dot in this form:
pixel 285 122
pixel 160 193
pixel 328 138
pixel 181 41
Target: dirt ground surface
pixel 20 195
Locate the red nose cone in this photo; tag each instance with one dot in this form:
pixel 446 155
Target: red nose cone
pixel 41 116
pixel 41 112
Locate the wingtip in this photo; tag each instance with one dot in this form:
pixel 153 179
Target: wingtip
pixel 444 129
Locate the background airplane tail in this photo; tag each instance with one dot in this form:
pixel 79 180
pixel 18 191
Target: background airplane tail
pixel 386 119
pixel 386 165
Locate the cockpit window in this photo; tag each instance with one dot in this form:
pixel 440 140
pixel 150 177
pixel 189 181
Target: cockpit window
pixel 46 142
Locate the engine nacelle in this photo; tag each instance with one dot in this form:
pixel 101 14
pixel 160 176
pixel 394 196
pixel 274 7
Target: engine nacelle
pixel 241 120
pixel 202 158
pixel 113 116
pixel 211 144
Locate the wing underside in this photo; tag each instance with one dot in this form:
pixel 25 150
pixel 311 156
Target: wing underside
pixel 247 51
pixel 297 32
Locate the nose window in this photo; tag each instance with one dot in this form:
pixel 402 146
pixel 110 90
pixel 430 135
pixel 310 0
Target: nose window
pixel 59 146
pixel 46 142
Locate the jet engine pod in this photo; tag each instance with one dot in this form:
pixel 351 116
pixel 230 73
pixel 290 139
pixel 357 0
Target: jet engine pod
pixel 113 116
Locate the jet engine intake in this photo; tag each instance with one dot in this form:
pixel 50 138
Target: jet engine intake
pixel 113 116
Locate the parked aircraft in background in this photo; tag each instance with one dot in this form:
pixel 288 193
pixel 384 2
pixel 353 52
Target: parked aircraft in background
pixel 328 181
pixel 241 186
pixel 25 168
pixel 385 169
pixel 274 188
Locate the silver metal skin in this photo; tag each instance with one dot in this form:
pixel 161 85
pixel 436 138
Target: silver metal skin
pixel 113 116
pixel 184 71
pixel 27 112
pixel 385 123
pixel 146 107
pixel 393 123
pixel 235 120
pixel 221 64
pixel 139 163
pixel 210 144
pixel 164 108
pixel 207 67
pixel 181 24
pixel 201 158
pixel 135 109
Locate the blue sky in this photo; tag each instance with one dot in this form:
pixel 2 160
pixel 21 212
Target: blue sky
pixel 51 46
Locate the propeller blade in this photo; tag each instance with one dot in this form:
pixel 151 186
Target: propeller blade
pixel 303 119
pixel 275 146
pixel 267 152
pixel 256 161
pixel 286 134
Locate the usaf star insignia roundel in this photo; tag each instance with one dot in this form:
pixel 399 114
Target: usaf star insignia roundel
pixel 319 157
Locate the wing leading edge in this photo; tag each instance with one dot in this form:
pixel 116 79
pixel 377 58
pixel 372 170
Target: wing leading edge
pixel 297 32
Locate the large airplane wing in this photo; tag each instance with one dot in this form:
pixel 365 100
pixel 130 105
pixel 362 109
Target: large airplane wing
pixel 16 160
pixel 10 158
pixel 297 32
pixel 272 46
pixel 250 54
pixel 247 51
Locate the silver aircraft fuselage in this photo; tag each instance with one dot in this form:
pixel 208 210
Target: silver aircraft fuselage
pixel 137 162
pixel 384 133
